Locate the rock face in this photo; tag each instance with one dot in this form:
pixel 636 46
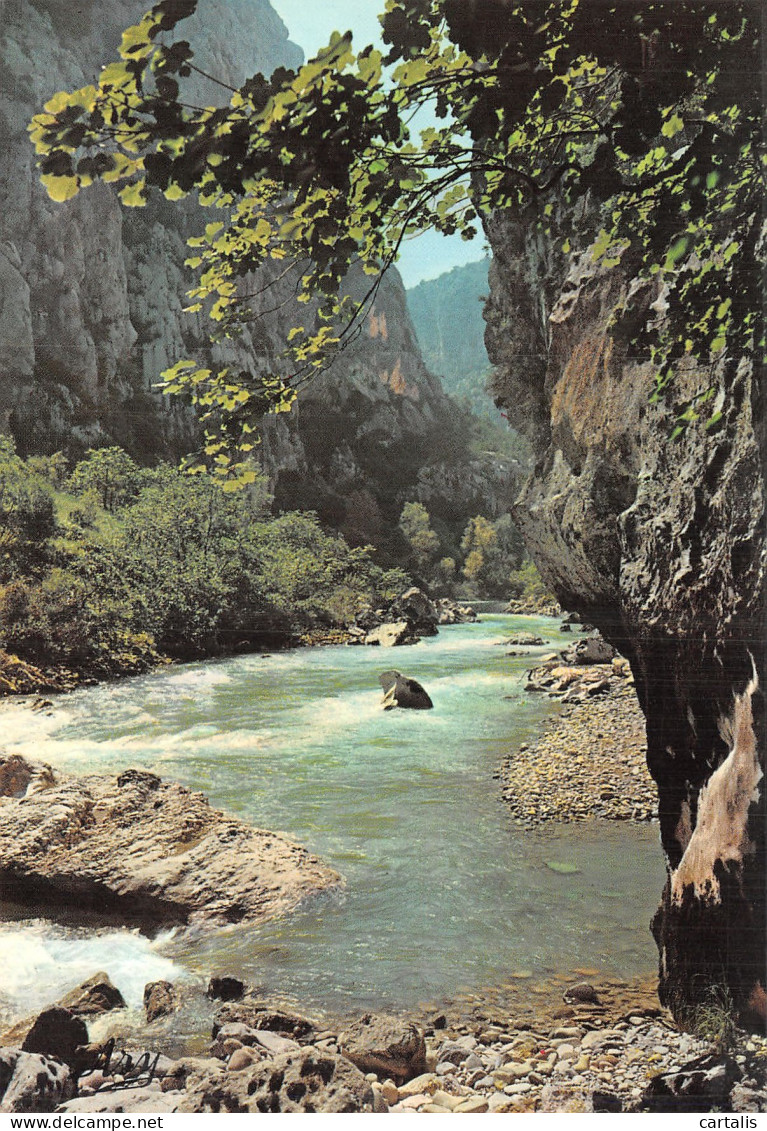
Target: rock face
pixel 92 297
pixel 658 543
pixel 149 852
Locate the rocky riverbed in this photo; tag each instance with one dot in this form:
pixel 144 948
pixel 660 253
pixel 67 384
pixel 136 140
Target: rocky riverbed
pixel 564 1046
pixel 589 760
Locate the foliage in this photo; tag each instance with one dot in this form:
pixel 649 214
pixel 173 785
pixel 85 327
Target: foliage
pixel 527 585
pixel 714 1019
pixel 639 109
pixel 110 472
pixel 180 567
pixel 416 526
pixel 26 513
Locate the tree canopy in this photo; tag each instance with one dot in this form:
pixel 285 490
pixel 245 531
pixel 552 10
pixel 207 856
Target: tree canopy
pixel 651 113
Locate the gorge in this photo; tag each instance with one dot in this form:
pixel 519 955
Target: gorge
pixel 656 539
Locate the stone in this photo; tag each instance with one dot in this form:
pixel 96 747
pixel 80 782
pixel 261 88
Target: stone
pixel 32 1082
pixel 426 1083
pixel 392 634
pixel 420 612
pixel 305 1081
pixel 243 1058
pixel 453 1053
pixel 56 1032
pixel 581 992
pixel 159 1000
pixel 401 691
pixel 390 1092
pixel 701 1085
pixel 149 1098
pixel 156 854
pixel 526 639
pixel 225 988
pixel 591 650
pixel 274 1044
pixel 475 1105
pixel 253 1013
pixel 385 1045
pixel 94 996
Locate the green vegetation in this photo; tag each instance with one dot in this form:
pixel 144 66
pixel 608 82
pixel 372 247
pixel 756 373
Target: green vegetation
pixel 643 115
pixel 118 566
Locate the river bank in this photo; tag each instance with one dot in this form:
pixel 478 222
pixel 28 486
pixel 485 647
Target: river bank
pixel 588 762
pixel 601 1045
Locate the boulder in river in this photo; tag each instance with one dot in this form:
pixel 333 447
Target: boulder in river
pixel 418 610
pixel 450 612
pixel 401 691
pixel 525 639
pixel 392 634
pixel 592 650
pixel 225 987
pixel 150 852
pixel 93 996
pixel 159 1000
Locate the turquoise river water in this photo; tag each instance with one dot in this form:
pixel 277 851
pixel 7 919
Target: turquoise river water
pixel 443 890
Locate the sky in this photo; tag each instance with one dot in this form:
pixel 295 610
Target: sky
pixel 310 23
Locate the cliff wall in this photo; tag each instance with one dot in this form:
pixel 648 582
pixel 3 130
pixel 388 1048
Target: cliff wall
pixel 92 297
pixel 660 543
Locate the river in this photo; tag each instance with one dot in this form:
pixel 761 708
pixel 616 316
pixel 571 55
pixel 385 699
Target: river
pixel 443 890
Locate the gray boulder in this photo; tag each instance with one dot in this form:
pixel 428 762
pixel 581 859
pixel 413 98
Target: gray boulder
pixel 392 634
pixel 32 1082
pixel 150 1098
pixel 310 1080
pixel 592 650
pixel 385 1045
pixel 401 691
pixel 420 612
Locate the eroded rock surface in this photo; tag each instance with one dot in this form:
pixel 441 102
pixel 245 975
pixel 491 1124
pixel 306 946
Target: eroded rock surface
pixel 660 545
pixel 150 852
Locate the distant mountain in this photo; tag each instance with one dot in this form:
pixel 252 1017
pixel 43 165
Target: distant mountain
pixel 447 315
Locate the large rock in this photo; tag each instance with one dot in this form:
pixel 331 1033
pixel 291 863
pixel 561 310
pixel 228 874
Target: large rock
pixel 32 1082
pixel 310 1080
pixel 150 1098
pixel 659 543
pixel 385 1045
pixel 150 851
pixel 94 996
pixel 392 634
pixel 421 612
pixel 58 1033
pixel 450 612
pixel 592 650
pixel 401 691
pixel 159 1000
pixel 260 1015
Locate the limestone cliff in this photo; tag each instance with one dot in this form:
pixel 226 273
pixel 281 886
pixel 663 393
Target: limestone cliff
pixel 92 297
pixel 660 543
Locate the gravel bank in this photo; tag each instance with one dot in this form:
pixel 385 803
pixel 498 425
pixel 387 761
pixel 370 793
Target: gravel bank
pixel 588 762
